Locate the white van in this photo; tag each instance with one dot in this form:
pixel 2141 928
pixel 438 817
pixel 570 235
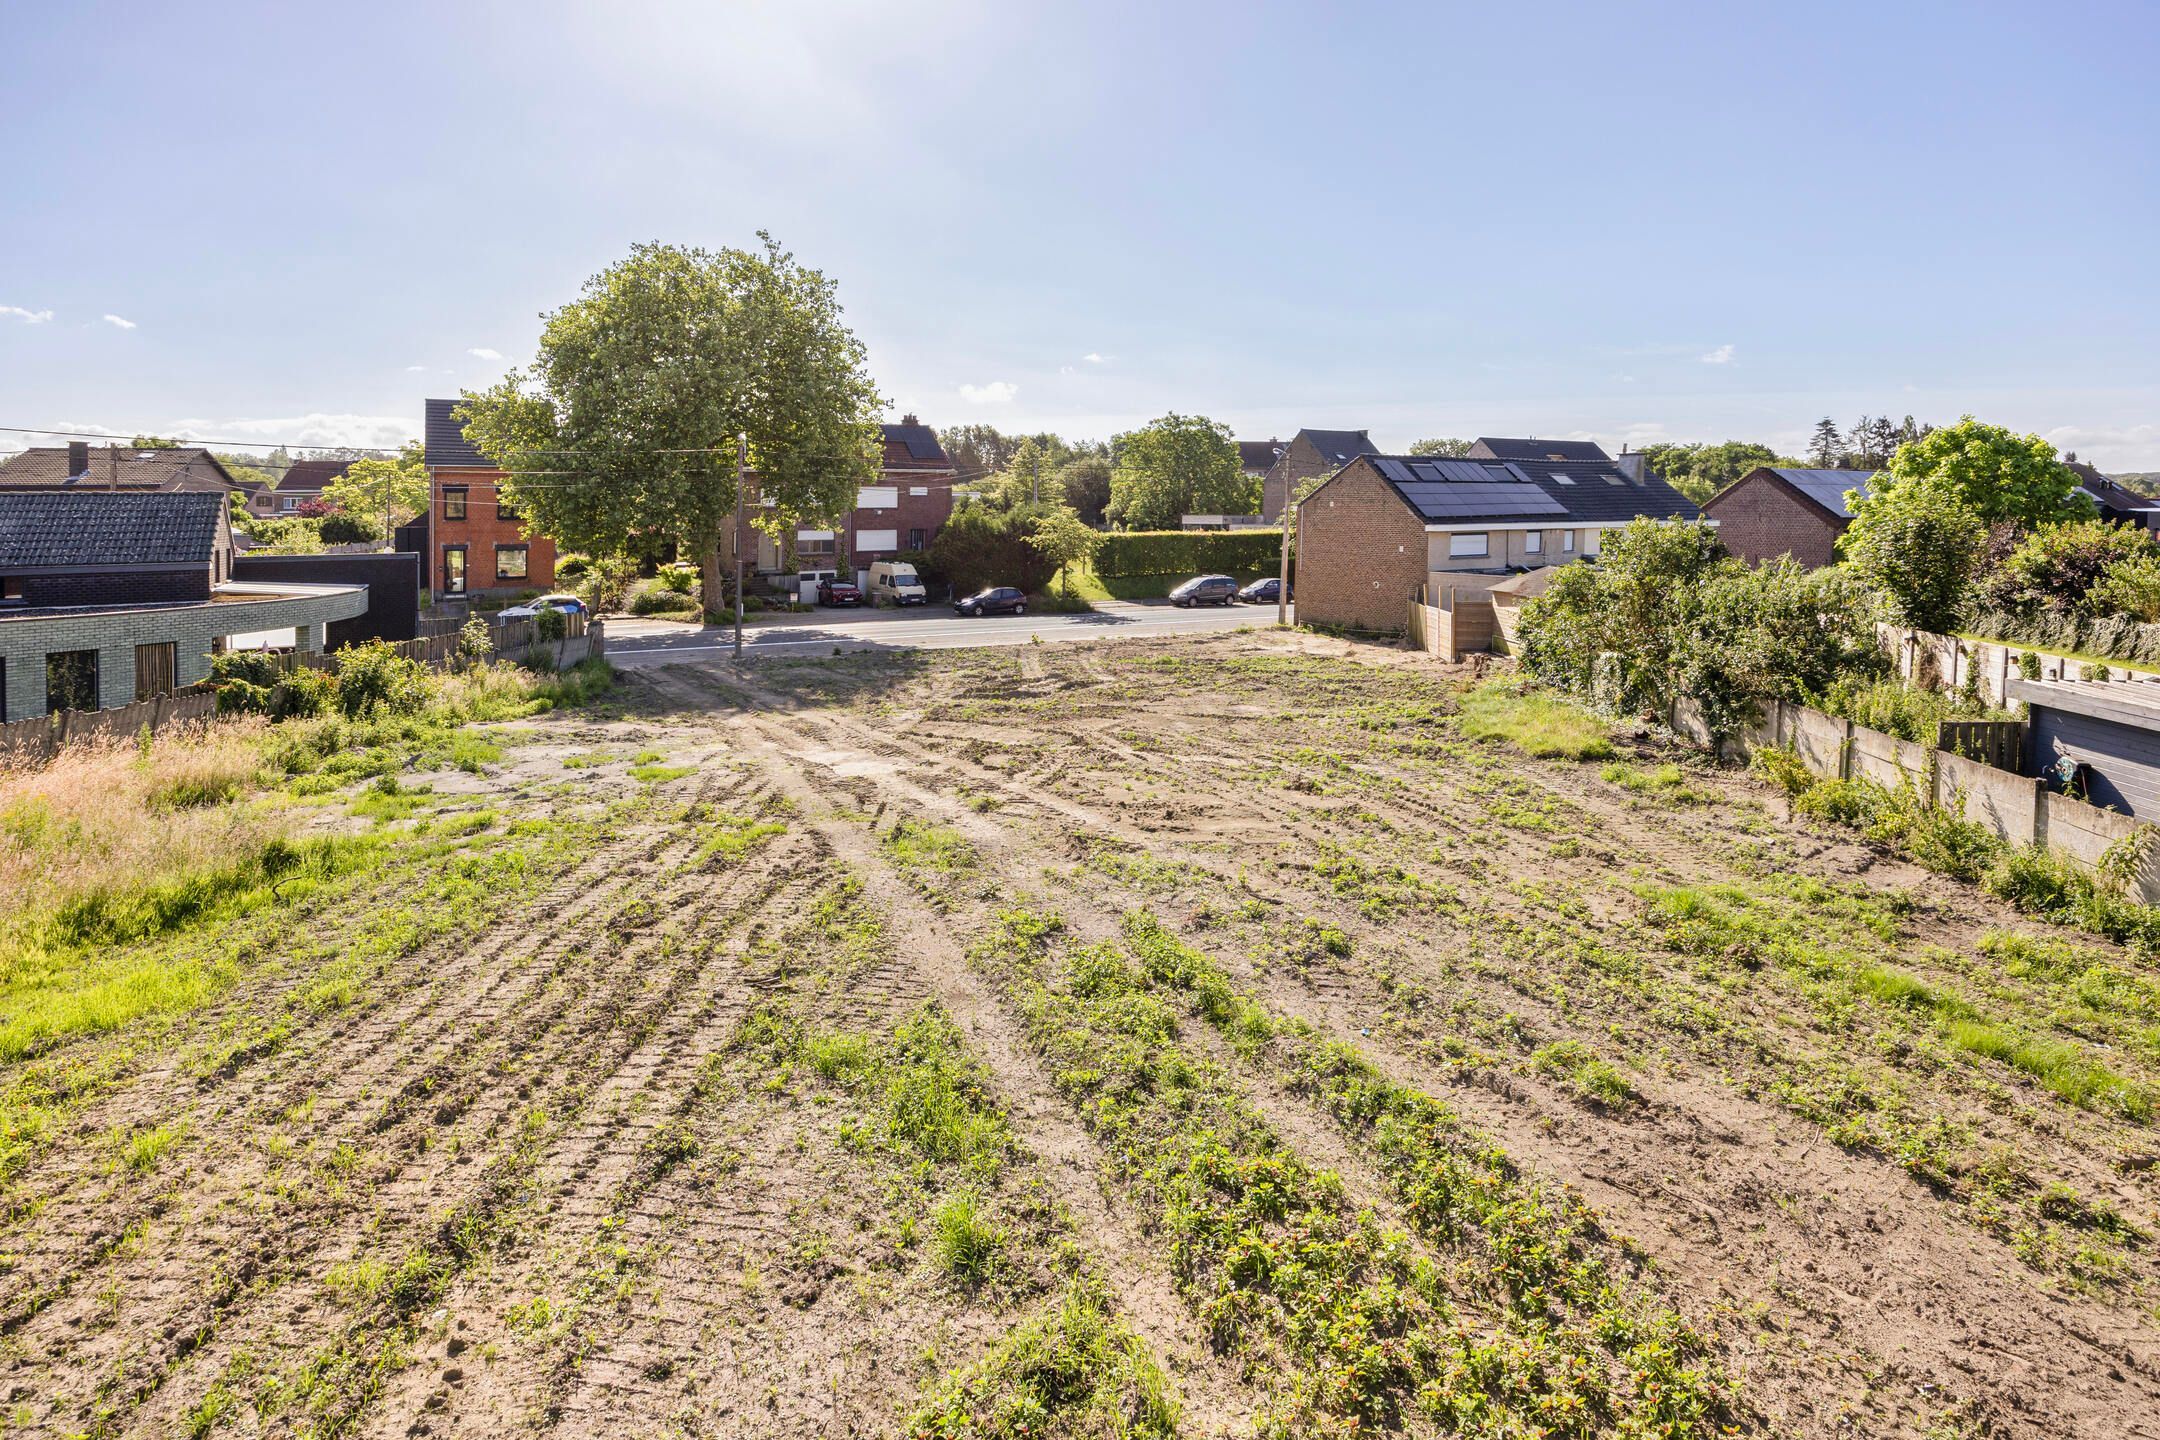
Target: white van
pixel 896 580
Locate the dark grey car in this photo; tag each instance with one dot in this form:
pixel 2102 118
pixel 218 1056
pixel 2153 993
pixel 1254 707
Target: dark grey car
pixel 1206 590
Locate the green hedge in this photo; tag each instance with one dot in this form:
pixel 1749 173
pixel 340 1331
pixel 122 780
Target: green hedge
pixel 1189 552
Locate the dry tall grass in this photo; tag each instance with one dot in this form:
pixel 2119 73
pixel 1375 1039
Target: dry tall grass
pixel 112 815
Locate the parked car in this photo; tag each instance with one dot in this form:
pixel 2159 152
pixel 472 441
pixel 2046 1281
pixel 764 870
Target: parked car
pixel 833 591
pixel 568 604
pixel 897 581
pixel 993 600
pixel 1206 590
pixel 1261 592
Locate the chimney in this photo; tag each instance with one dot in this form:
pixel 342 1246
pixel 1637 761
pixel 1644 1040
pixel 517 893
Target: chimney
pixel 1631 464
pixel 909 419
pixel 112 468
pixel 78 458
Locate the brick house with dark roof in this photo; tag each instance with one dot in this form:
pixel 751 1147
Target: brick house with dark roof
pixel 2117 503
pixel 90 547
pixel 476 545
pixel 1384 526
pixel 303 480
pixel 82 466
pixel 902 511
pixel 1309 455
pixel 1777 510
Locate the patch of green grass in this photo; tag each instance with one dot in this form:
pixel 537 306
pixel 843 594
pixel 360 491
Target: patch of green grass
pixel 2063 1070
pixel 1075 1371
pixel 1661 782
pixel 138 1151
pixel 1592 1077
pixel 649 774
pixel 963 1239
pixel 927 847
pixel 1536 722
pixel 734 836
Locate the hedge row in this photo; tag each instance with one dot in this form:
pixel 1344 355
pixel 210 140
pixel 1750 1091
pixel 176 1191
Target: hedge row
pixel 2116 636
pixel 1188 552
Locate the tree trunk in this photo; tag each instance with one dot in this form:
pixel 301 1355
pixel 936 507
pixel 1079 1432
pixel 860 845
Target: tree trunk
pixel 713 594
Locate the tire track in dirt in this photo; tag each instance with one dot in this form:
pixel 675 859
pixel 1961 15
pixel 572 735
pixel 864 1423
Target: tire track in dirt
pixel 250 1249
pixel 1864 1292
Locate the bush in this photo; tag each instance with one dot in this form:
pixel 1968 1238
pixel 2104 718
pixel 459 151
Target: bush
pixel 1895 708
pixel 2130 586
pixel 1244 553
pixel 2059 566
pixel 606 582
pixel 663 602
pixel 343 529
pixel 291 535
pixel 374 680
pixel 677 579
pixel 1920 545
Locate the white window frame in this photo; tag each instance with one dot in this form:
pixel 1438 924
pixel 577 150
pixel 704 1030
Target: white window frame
pixel 876 540
pixel 878 497
pixel 1533 542
pixel 1567 541
pixel 1459 545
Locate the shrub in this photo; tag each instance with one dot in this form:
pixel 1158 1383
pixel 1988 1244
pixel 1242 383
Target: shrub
pixel 1189 552
pixel 373 679
pixel 606 581
pixel 967 1243
pixel 340 528
pixel 2130 586
pixel 1906 711
pixel 677 579
pixel 1920 545
pixel 663 602
pixel 2058 566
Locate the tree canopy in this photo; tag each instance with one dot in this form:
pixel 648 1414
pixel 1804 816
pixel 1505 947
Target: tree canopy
pixel 362 489
pixel 1444 448
pixel 1920 545
pixel 1700 470
pixel 628 417
pixel 1998 475
pixel 1176 466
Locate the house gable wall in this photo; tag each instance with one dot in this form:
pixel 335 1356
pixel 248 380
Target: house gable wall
pixel 1760 518
pixel 1361 553
pixel 480 532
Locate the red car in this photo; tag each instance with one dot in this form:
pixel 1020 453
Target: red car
pixel 838 592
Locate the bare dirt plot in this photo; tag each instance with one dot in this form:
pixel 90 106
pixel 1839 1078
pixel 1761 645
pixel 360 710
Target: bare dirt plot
pixel 1196 1038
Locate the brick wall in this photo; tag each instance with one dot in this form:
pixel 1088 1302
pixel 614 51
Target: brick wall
pixel 1760 518
pixel 1360 553
pixel 482 530
pixel 118 587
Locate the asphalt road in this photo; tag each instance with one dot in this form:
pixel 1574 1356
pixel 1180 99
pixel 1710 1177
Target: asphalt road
pixel 632 641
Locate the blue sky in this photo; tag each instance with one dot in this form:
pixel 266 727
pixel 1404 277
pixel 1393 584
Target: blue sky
pixel 1669 221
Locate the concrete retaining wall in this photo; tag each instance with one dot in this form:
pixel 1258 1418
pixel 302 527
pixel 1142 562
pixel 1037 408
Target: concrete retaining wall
pixel 2019 810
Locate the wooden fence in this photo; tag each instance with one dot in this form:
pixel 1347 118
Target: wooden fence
pixel 2000 743
pixel 38 739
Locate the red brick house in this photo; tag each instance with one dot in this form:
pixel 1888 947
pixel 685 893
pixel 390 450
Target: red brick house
pixel 303 481
pixel 1308 455
pixel 476 544
pixel 903 510
pixel 1386 526
pixel 1781 510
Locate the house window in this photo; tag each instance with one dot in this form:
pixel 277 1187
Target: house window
pixel 1469 547
pixel 877 497
pixel 918 538
pixel 154 669
pixel 507 512
pixel 1567 540
pixel 289 502
pixel 815 545
pixel 876 541
pixel 453 502
pixel 11 591
pixel 510 562
pixel 71 680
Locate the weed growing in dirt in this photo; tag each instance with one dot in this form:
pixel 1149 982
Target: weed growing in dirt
pixel 1591 1077
pixel 1661 782
pixel 1074 1373
pixel 926 847
pixel 734 836
pixel 1536 722
pixel 965 1240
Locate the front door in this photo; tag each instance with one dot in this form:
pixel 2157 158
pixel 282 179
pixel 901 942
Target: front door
pixel 453 569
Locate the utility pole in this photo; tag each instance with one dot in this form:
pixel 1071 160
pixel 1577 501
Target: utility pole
pixel 389 538
pixel 1282 584
pixel 742 469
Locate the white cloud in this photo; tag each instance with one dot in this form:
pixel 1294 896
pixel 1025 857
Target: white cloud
pixel 28 317
pixel 1720 356
pixel 414 369
pixel 122 323
pixel 1094 359
pixel 997 392
pixel 311 431
pixel 482 352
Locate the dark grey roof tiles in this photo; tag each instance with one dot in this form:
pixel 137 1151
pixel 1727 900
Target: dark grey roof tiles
pixel 445 439
pixel 1340 446
pixel 1466 492
pixel 58 529
pixel 1580 451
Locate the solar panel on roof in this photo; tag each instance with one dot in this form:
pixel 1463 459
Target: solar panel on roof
pixel 1472 472
pixel 1397 472
pixel 1461 499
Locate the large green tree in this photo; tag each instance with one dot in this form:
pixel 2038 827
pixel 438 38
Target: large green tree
pixel 1176 466
pixel 1919 544
pixel 368 485
pixel 1700 470
pixel 627 421
pixel 1998 475
pixel 1445 448
pixel 1085 483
